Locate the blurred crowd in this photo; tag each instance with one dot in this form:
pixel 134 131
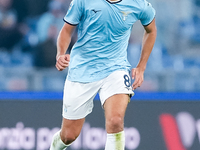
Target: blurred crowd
pixel 29 29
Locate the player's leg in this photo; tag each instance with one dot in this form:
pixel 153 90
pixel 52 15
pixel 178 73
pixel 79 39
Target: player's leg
pixel 115 108
pixel 70 130
pixel 114 95
pixel 77 104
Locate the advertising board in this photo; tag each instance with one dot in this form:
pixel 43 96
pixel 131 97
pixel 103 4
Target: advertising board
pixel 149 125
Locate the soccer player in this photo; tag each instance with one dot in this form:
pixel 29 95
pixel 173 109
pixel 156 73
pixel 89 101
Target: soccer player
pixel 98 64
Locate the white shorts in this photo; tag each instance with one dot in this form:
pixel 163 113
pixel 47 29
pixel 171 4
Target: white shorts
pixel 78 97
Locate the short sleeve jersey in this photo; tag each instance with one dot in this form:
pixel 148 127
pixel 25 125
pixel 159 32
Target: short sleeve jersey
pixel 104 28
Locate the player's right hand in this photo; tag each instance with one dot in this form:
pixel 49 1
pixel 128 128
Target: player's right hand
pixel 62 62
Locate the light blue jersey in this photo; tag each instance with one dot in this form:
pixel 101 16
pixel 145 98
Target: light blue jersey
pixel 104 29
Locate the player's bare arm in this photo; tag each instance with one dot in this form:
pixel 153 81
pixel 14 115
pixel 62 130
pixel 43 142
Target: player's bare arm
pixel 63 41
pixel 147 46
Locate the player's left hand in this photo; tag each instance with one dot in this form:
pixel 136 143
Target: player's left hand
pixel 138 76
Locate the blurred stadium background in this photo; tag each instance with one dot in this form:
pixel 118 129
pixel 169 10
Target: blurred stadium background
pixel 163 115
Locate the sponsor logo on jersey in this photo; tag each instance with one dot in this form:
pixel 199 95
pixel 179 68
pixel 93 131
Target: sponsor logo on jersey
pixel 95 11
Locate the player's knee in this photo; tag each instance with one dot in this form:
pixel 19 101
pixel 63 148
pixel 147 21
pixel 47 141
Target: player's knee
pixel 68 138
pixel 115 124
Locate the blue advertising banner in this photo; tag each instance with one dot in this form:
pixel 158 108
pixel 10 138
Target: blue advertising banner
pixel 138 96
pixel 150 124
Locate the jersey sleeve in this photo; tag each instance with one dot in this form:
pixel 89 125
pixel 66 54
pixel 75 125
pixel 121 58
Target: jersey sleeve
pixel 148 14
pixel 74 12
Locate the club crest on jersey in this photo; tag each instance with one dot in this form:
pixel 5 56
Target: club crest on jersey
pixel 125 14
